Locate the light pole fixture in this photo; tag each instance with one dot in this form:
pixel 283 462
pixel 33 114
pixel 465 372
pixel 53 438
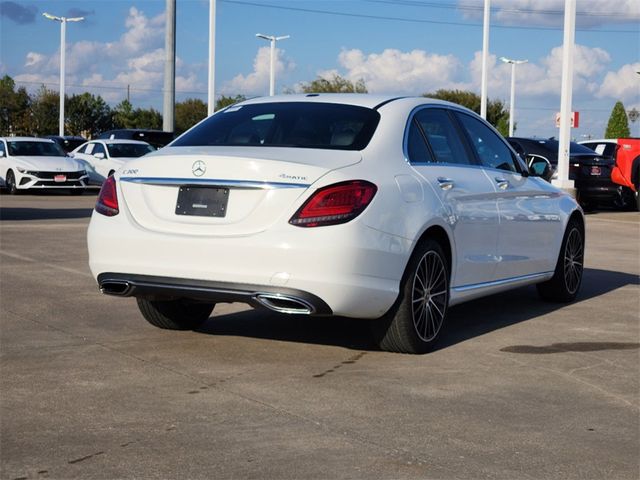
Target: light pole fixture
pixel 272 79
pixel 512 109
pixel 63 34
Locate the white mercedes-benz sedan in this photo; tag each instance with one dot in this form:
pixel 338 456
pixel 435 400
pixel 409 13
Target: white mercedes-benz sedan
pixel 38 163
pixel 102 158
pixel 391 209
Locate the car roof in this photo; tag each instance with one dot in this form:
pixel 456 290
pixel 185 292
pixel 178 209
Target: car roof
pixel 355 99
pixel 27 139
pixel 110 141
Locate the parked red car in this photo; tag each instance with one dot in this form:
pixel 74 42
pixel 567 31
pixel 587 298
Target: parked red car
pixel 626 171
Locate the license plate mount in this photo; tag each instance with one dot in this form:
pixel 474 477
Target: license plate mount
pixel 60 178
pixel 202 201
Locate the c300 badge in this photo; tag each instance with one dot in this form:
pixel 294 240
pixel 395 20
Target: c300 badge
pixel 198 168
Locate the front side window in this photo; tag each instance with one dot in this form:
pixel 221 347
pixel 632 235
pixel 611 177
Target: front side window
pixel 287 124
pixel 98 148
pixel 443 137
pixel 1 147
pixel 489 147
pixel 130 150
pixel 21 148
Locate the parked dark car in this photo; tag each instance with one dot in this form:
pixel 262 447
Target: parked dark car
pixel 590 171
pixel 68 142
pixel 157 138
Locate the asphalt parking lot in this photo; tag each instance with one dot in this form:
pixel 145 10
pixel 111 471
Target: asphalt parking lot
pixel 518 389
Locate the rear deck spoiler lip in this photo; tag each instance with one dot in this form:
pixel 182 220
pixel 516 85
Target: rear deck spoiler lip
pixel 214 182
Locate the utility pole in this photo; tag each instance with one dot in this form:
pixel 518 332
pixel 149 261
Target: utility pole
pixel 168 110
pixel 564 142
pixel 512 108
pixel 485 58
pixel 211 98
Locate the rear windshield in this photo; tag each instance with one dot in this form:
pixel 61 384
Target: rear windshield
pixel 35 149
pixel 132 150
pixel 605 149
pixel 288 124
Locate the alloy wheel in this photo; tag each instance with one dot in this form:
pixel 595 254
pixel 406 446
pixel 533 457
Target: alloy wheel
pixel 573 260
pixel 429 296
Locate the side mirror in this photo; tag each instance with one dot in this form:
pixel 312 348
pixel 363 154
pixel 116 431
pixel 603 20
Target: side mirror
pixel 99 155
pixel 540 167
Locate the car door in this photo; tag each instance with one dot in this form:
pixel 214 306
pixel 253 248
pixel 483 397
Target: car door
pixel 529 210
pixel 436 152
pixel 100 161
pixel 84 155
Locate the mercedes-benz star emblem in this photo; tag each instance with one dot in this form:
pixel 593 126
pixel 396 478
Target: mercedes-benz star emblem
pixel 198 168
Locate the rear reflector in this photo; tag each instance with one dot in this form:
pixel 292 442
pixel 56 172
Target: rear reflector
pixel 338 203
pixel 107 203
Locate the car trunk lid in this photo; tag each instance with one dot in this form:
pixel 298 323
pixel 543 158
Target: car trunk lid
pixel 222 191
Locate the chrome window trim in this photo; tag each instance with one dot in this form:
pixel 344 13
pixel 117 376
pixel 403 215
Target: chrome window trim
pixel 214 182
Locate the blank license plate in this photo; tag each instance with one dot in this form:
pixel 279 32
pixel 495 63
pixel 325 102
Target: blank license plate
pixel 202 201
pixel 60 178
pixel 595 170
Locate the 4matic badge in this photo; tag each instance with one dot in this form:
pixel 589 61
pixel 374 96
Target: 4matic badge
pixel 198 168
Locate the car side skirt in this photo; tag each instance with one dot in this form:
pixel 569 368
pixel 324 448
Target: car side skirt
pixel 465 293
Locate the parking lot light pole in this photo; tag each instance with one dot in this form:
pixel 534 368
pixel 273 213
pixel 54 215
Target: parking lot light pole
pixel 272 76
pixel 485 58
pixel 63 34
pixel 512 109
pixel 211 97
pixel 564 141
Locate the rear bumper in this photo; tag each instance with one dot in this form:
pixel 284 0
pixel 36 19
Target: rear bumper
pixel 279 299
pixel 347 270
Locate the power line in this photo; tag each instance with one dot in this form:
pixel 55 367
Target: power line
pixel 112 87
pixel 479 8
pixel 411 20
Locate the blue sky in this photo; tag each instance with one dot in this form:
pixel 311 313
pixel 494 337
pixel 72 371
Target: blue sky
pixel 395 46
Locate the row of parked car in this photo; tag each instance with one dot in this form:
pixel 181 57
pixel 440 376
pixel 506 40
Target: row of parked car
pixel 604 171
pixel 71 163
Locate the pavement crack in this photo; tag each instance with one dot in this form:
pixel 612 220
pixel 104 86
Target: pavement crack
pixel 86 457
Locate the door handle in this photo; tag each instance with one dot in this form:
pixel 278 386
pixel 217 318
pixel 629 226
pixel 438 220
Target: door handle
pixel 503 184
pixel 445 183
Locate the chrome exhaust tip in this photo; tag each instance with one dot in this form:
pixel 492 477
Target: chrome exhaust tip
pixel 284 304
pixel 118 288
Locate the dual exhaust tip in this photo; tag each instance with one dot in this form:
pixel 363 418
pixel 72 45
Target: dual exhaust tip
pixel 276 302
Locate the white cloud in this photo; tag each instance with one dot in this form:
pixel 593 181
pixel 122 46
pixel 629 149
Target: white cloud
pixel 136 59
pixel 394 71
pixel 551 12
pixel 257 82
pixel 622 85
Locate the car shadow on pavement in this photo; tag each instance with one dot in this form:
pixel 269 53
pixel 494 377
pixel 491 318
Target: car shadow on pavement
pixel 18 213
pixel 465 321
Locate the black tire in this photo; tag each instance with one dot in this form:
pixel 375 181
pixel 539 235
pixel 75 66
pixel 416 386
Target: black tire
pixel 566 280
pixel 415 323
pixel 175 314
pixel 10 183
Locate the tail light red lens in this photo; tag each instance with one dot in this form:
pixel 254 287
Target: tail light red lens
pixel 335 204
pixel 107 203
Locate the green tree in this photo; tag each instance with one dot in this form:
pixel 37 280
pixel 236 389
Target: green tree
pixel 225 101
pixel 87 115
pixel 337 84
pixel 148 118
pixel 188 113
pixel 497 113
pixel 618 126
pixel 15 108
pixel 124 116
pixel 45 108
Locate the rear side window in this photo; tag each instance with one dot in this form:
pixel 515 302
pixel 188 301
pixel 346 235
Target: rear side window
pixel 491 150
pixel 443 136
pixel 287 124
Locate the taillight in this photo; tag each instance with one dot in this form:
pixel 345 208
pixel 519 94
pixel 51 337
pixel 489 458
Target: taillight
pixel 335 204
pixel 107 203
